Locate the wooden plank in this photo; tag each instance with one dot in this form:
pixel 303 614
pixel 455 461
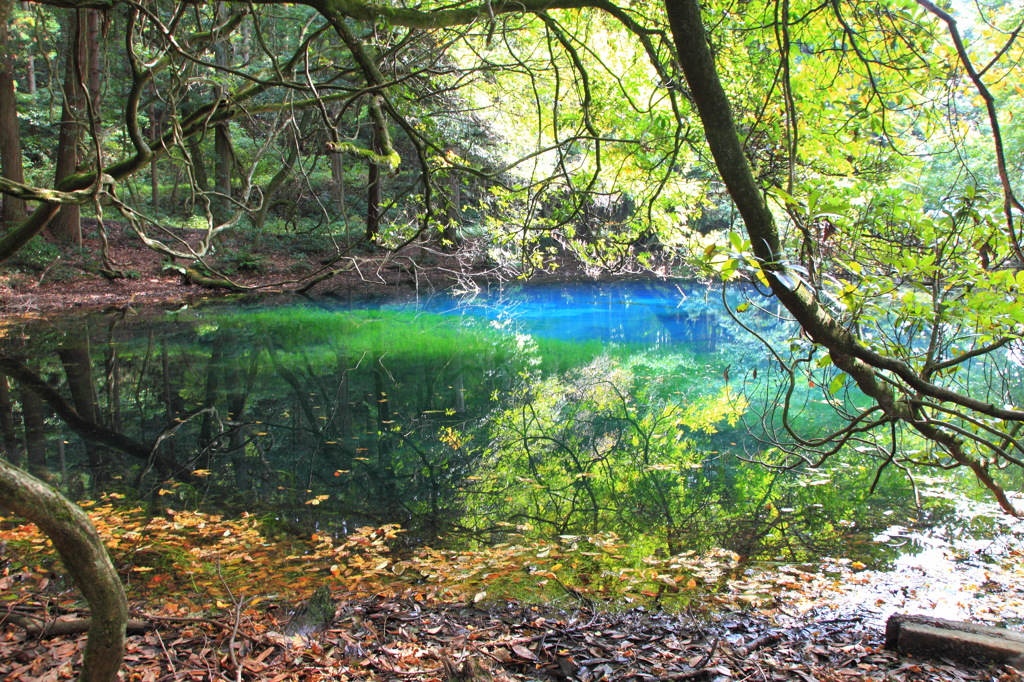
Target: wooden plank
pixel 926 636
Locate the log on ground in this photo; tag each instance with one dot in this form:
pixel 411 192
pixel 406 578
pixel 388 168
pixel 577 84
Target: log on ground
pixel 926 636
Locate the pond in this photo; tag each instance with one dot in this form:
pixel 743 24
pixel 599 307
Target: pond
pixel 635 409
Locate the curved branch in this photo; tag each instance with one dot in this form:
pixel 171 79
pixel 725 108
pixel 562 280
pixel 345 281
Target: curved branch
pixel 80 548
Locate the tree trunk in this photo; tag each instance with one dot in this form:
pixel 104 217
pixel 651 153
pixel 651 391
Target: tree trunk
pixel 450 238
pixel 222 205
pixel 237 394
pixel 66 226
pixel 338 180
pixel 387 491
pixel 112 390
pixel 285 172
pixel 374 191
pixel 172 407
pixel 154 176
pixel 12 444
pixel 214 371
pixel 245 43
pixel 342 398
pixel 94 84
pixel 373 199
pixel 31 382
pixel 10 134
pixel 195 152
pixel 30 74
pixel 80 548
pixel 30 61
pixel 225 162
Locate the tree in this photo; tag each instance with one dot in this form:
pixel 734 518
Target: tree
pixel 75 358
pixel 83 553
pixel 10 135
pixel 223 152
pixel 67 224
pixel 12 444
pixel 375 183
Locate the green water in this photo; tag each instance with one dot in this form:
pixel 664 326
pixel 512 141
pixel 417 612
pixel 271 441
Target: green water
pixel 634 408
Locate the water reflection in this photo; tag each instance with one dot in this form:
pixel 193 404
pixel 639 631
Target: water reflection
pixel 961 565
pixel 568 409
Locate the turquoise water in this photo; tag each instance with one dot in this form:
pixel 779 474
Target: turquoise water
pixel 657 314
pixel 632 407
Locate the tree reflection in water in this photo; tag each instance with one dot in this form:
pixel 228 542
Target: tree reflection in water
pixel 566 412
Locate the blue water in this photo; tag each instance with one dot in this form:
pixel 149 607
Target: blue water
pixel 653 314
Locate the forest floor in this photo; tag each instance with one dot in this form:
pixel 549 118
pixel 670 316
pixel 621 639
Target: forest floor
pixel 48 277
pixel 466 616
pixel 403 639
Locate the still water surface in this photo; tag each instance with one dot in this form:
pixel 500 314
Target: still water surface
pixel 626 407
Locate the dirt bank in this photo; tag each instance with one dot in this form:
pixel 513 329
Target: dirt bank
pixel 51 278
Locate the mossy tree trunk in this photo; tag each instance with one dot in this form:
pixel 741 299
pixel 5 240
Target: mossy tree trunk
pixel 80 548
pixel 375 185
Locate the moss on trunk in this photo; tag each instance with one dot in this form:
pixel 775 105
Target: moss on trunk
pixel 86 560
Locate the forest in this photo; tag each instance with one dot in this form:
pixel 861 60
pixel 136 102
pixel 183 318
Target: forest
pixel 851 169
